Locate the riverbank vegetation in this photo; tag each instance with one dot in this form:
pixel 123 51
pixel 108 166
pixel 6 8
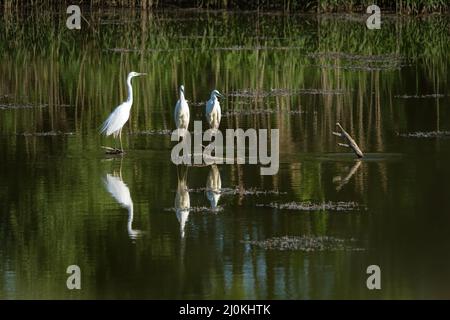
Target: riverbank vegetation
pixel 320 6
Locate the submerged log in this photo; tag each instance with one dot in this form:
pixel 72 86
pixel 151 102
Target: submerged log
pixel 350 142
pixel 110 150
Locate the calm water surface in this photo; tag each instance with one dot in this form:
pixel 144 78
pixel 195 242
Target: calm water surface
pixel 65 202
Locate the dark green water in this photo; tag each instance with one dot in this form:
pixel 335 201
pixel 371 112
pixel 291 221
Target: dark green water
pixel 298 73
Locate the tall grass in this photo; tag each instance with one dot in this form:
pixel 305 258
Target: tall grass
pixel 400 6
pixel 49 64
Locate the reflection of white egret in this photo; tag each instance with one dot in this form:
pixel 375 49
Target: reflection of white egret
pixel 120 192
pixel 213 111
pixel 117 119
pixel 213 186
pixel 182 111
pixel 182 202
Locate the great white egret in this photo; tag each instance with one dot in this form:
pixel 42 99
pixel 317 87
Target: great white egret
pixel 182 111
pixel 116 120
pixel 213 111
pixel 213 186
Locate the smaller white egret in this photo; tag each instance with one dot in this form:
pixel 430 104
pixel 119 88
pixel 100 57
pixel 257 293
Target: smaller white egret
pixel 182 111
pixel 213 111
pixel 117 119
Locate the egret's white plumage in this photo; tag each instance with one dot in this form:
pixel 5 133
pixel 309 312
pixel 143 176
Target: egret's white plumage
pixel 213 186
pixel 213 111
pixel 117 119
pixel 181 114
pixel 120 192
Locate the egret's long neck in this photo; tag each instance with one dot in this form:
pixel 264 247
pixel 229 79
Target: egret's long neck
pixel 130 90
pixel 182 96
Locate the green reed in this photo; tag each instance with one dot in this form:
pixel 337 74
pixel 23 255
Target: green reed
pixel 401 6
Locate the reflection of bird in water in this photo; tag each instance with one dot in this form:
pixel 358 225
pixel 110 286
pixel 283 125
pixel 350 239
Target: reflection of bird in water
pixel 213 186
pixel 182 201
pixel 213 111
pixel 120 192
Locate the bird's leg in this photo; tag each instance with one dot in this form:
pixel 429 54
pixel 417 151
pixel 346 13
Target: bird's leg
pixel 120 170
pixel 120 138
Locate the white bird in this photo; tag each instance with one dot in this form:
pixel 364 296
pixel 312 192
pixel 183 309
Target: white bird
pixel 120 192
pixel 213 186
pixel 117 119
pixel 213 111
pixel 182 111
pixel 182 203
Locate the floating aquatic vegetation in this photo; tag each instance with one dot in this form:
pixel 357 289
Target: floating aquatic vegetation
pixel 423 96
pixel 247 112
pixel 287 92
pixel 123 50
pixel 240 191
pixel 349 56
pixel 310 206
pixel 429 134
pixel 10 106
pixel 360 67
pixel 255 192
pixel 306 243
pixel 299 112
pixel 198 209
pixel 221 191
pixel 46 134
pixel 251 48
pixel 254 93
pixel 231 48
pixel 153 50
pixel 152 132
pixel 198 36
pixel 343 16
